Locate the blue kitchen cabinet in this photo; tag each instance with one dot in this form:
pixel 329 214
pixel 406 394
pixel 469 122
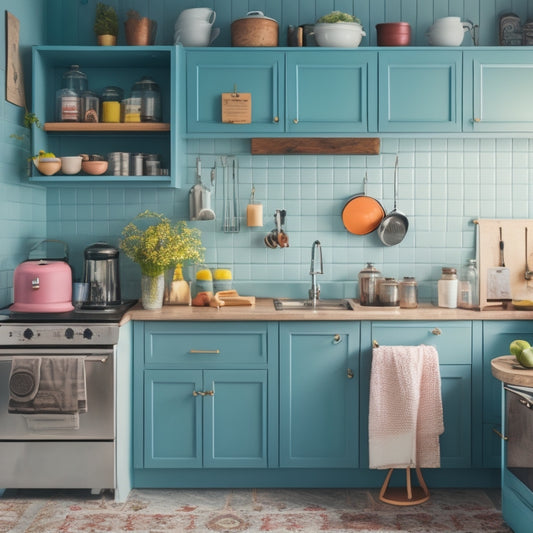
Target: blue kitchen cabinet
pixel 120 66
pixel 497 91
pixel 331 91
pixel 497 336
pixel 210 73
pixel 202 395
pixel 420 91
pixel 205 418
pixel 318 394
pixel 453 341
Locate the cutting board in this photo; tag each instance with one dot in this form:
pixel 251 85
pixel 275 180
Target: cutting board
pixel 231 297
pixel 513 234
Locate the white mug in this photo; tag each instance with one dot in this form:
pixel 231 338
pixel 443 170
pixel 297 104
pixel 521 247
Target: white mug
pixel 192 36
pixel 198 13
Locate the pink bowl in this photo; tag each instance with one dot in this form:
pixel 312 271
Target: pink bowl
pixel 95 168
pixel 393 34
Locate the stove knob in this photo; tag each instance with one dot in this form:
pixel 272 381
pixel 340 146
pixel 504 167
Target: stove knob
pixel 69 333
pixel 28 333
pixel 87 334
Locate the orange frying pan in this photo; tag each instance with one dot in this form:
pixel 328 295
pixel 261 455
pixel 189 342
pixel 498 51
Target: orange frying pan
pixel 362 214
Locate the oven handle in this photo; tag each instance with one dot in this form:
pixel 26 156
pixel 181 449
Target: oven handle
pixel 87 358
pixel 525 399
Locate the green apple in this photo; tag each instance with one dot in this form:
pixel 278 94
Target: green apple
pixel 526 358
pixel 516 347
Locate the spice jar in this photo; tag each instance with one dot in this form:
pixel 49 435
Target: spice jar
pixel 89 106
pixel 389 293
pixel 67 105
pixel 368 285
pixel 408 293
pixel 447 288
pixel 111 99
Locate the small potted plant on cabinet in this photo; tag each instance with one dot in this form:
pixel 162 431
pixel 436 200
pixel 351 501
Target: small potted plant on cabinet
pixel 106 25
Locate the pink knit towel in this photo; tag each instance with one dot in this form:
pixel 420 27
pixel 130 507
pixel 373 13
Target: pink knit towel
pixel 405 413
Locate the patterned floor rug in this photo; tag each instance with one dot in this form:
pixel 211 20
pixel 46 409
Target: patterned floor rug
pixel 248 510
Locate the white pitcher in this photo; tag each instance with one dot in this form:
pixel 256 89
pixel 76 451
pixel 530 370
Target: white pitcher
pixel 448 31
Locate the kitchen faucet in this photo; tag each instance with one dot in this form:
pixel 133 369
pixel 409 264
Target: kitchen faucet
pixel 314 291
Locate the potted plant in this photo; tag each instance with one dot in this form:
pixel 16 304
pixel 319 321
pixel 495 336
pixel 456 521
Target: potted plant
pixel 106 24
pixel 140 31
pixel 338 29
pixel 156 244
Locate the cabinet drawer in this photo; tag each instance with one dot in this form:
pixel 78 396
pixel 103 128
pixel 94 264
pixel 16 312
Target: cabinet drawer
pixel 453 340
pixel 192 343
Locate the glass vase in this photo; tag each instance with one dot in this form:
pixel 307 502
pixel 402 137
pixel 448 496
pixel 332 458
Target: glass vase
pixel 152 291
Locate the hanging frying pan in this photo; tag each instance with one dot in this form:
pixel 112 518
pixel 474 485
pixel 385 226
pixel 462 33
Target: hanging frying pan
pixel 362 214
pixel 394 226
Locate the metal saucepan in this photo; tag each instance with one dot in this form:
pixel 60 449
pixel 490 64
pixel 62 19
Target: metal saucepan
pixel 394 226
pixel 362 214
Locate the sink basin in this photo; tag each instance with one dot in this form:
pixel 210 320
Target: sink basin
pixel 337 304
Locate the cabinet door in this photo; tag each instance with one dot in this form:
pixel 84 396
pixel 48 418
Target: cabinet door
pixel 319 394
pixel 497 91
pixel 453 341
pixel 331 91
pixel 211 73
pixel 497 336
pixel 420 91
pixel 235 419
pixel 172 419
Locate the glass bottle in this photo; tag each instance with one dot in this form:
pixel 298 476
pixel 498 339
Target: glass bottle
pixel 368 285
pixel 468 286
pixel 408 293
pixel 447 288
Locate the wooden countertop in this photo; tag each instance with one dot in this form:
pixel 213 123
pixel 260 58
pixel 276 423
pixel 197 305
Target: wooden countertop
pixel 264 310
pixel 506 369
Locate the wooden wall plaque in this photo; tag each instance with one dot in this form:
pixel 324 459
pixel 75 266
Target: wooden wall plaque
pixel 316 145
pixel 237 108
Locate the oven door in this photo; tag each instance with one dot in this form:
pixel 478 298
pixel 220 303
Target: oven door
pixel 519 432
pixel 97 423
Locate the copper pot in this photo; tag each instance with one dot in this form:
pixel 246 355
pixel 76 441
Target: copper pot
pixel 254 30
pixel 393 34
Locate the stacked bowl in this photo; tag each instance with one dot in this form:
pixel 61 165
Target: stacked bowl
pixel 194 27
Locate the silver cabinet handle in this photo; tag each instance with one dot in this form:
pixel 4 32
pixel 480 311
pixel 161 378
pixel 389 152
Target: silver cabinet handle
pixel 337 338
pixel 349 373
pixel 211 352
pixel 436 331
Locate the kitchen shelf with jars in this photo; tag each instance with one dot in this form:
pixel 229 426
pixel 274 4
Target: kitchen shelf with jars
pixel 117 104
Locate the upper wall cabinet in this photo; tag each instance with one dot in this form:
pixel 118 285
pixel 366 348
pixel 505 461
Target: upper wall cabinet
pixel 497 91
pixel 294 92
pixel 210 73
pixel 331 92
pixel 420 91
pixel 119 66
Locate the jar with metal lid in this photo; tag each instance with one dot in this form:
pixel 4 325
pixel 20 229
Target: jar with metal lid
pixel 447 288
pixel 75 79
pixel 389 293
pixel 111 103
pixel 89 106
pixel 368 286
pixel 408 293
pixel 148 91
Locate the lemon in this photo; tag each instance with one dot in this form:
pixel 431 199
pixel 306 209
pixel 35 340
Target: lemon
pixel 204 274
pixel 222 273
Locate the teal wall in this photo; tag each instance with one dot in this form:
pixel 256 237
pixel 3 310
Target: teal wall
pixel 444 182
pixel 22 206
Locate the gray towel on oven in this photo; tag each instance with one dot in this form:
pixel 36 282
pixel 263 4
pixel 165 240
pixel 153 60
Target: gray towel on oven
pixel 61 388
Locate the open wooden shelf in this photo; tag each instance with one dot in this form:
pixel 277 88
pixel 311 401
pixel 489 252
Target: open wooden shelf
pixel 106 126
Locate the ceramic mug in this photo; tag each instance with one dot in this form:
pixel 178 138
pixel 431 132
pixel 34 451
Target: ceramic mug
pixel 189 16
pixel 202 34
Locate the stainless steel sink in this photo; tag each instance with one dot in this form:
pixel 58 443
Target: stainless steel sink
pixel 303 304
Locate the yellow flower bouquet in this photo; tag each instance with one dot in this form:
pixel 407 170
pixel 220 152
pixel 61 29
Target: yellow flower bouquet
pixel 157 244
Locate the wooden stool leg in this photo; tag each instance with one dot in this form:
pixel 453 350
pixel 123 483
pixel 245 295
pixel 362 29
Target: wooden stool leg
pixel 408 495
pixel 408 483
pixel 385 484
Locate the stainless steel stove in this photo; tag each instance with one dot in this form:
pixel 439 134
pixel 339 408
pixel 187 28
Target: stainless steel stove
pixel 46 439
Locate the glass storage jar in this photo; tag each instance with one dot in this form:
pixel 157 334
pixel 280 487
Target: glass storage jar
pixel 67 105
pixel 389 293
pixel 89 106
pixel 149 93
pixel 111 104
pixel 447 288
pixel 368 285
pixel 408 293
pixel 75 79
